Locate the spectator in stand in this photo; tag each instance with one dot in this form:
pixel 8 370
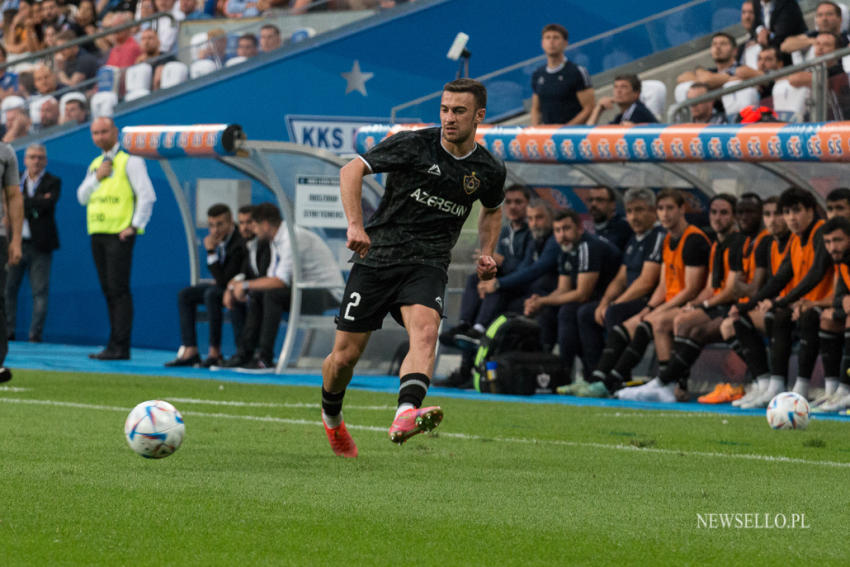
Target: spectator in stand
pixel 188 9
pixel 105 44
pixel 270 38
pixel 73 65
pixel 17 124
pixel 126 50
pixel 825 43
pixel 24 35
pixel 241 9
pixel 247 46
pixel 48 32
pixel 827 19
pixel 49 112
pixel 769 60
pixel 9 8
pixel 607 222
pixel 216 49
pixel 75 111
pixel 84 23
pixel 627 97
pixel 51 16
pixel 165 28
pixel 704 112
pixel 8 80
pixel 45 80
pixel 563 93
pixel 153 55
pixel 723 48
pixel 750 11
pixel 782 19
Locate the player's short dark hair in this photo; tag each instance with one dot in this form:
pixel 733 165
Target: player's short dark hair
pixel 246 210
pixel 775 50
pixel 478 90
pixel 833 4
pixel 219 209
pixel 271 27
pixel 250 37
pixel 267 212
pixel 699 85
pixel 750 197
pixel 79 103
pixel 670 193
pixel 839 194
pixel 772 200
pixel 568 214
pixel 836 223
pixel 556 28
pixel 731 199
pixel 537 203
pixel 727 36
pixel 797 196
pixel 632 79
pixel 612 195
pixel 516 187
pixel 640 194
pixel 835 38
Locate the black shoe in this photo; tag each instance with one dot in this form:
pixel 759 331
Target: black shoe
pixel 469 340
pixel 10 336
pixel 110 354
pixel 448 337
pixel 35 339
pixel 211 361
pixel 5 374
pixel 235 361
pixel 459 378
pixel 259 364
pixel 191 361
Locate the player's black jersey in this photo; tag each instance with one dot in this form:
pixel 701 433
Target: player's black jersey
pixel 429 194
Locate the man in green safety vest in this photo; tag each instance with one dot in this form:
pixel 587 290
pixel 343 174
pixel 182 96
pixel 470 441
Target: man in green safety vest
pixel 119 197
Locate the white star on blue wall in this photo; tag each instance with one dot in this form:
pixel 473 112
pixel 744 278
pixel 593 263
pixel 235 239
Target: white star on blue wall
pixel 356 79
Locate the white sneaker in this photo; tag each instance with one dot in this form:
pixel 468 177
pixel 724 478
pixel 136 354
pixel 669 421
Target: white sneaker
pixel 749 396
pixel 801 386
pixel 837 403
pixel 762 399
pixel 654 391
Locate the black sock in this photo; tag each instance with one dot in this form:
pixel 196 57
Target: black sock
pixel 780 341
pixel 752 346
pixel 635 351
pixel 685 353
pixel 332 403
pixel 618 339
pixel 830 353
pixel 809 324
pixel 845 360
pixel 735 345
pixel 413 388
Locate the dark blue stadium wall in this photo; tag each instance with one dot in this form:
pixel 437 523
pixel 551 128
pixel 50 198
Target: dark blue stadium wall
pixel 405 53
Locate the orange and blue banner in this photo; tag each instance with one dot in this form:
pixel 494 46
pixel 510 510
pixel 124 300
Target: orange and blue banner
pixel 767 141
pixel 199 140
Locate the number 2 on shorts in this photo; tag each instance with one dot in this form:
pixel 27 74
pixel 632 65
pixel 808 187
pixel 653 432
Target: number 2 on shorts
pixel 355 301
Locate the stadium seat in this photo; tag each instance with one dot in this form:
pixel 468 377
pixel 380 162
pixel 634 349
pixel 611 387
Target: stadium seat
pixel 138 93
pixel 654 95
pixel 845 16
pixel 138 77
pixel 235 61
pixel 74 95
pixel 108 79
pixel 173 73
pixel 103 104
pixel 35 109
pixel 680 93
pixel 202 67
pixel 10 102
pixel 790 102
pixel 734 102
pixel 301 34
pixel 198 43
pixel 750 57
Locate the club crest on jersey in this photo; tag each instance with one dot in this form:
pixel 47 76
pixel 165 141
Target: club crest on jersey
pixel 471 183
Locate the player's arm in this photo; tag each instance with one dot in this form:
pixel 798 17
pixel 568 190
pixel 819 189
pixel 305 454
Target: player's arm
pixel 774 284
pixel 795 43
pixel 351 192
pixel 713 80
pixel 614 289
pixel 587 99
pixel 644 284
pixel 694 283
pixel 727 294
pixel 535 302
pixel 657 298
pixel 822 263
pixel 838 312
pixel 489 226
pixel 535 110
pixel 585 282
pixel 15 212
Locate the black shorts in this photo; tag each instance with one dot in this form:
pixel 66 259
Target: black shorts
pixel 371 293
pixel 718 311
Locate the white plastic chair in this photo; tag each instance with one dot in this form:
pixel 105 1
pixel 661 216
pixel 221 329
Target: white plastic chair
pixel 138 77
pixel 10 102
pixel 74 95
pixel 103 104
pixel 790 102
pixel 845 16
pixel 35 109
pixel 138 93
pixel 173 73
pixel 680 93
pixel 734 102
pixel 241 59
pixel 198 42
pixel 201 67
pixel 301 34
pixel 654 95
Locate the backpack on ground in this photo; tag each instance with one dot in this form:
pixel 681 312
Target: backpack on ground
pixel 508 332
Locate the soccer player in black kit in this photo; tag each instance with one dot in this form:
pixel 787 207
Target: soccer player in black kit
pixel 402 255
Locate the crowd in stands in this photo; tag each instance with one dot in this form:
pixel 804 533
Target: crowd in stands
pixel 65 86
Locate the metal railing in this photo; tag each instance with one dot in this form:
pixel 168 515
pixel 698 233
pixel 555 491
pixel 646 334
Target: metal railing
pixel 818 65
pixel 83 40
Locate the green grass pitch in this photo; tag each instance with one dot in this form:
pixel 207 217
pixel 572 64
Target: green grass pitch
pixel 255 482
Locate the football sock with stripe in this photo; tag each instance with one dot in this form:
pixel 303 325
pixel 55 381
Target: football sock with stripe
pixel 332 407
pixel 412 390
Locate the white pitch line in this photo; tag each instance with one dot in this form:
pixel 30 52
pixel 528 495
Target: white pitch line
pixel 291 405
pixel 468 437
pixel 13 389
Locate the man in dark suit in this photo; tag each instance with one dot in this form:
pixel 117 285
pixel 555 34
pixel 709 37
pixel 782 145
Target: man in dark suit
pixel 627 98
pixel 225 254
pixel 40 238
pixel 782 19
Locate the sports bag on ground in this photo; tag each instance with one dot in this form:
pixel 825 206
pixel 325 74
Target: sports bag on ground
pixel 523 373
pixel 508 332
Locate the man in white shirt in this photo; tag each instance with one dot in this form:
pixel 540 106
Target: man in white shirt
pixel 270 294
pixel 119 197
